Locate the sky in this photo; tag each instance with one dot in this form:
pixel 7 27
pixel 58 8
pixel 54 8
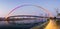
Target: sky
pixel 7 5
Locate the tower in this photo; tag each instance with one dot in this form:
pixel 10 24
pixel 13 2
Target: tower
pixel 58 14
pixel 57 10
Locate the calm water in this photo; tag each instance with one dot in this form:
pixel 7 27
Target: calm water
pixel 24 24
pixel 18 26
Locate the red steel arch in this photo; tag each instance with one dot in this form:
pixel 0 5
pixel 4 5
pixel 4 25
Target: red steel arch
pixel 44 9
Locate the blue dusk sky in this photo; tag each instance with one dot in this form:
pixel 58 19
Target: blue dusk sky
pixel 7 5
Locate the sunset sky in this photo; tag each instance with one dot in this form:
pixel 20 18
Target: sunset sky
pixel 7 5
